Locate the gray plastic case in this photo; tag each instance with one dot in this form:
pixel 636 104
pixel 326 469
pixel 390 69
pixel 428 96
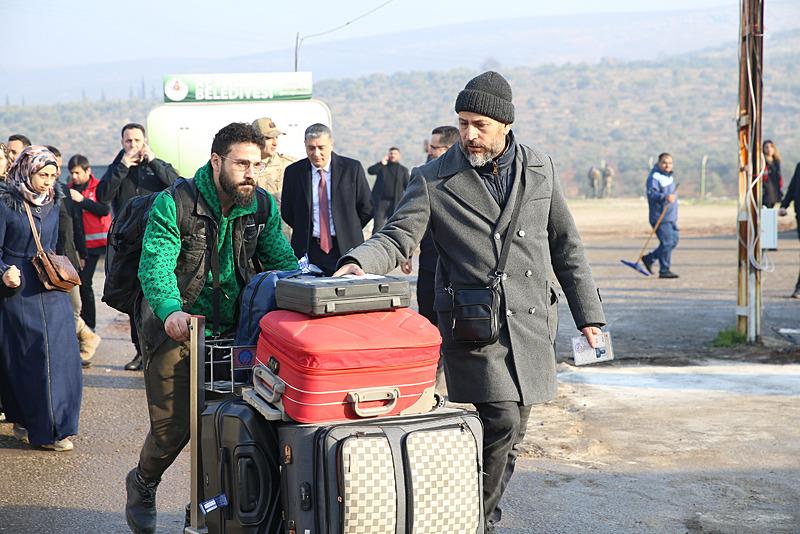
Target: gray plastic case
pixel 335 296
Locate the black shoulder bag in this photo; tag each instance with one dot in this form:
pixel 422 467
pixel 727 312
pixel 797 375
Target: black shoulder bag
pixel 476 310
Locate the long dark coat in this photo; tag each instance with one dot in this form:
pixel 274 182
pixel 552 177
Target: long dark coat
pixel 40 367
pixel 468 229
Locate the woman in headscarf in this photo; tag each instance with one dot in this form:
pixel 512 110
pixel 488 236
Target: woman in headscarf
pixel 5 162
pixel 40 370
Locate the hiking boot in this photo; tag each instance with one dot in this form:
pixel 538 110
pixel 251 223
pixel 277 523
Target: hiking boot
pixel 20 433
pixel 140 508
pixel 648 264
pixel 88 342
pixel 61 445
pixel 667 274
pixel 135 364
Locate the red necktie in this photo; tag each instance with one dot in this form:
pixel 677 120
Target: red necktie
pixel 324 225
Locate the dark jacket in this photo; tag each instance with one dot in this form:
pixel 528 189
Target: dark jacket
pixel 793 193
pixel 40 369
pixel 71 240
pixel 120 183
pixel 772 184
pixel 197 224
pixel 390 184
pixel 350 202
pixel 469 228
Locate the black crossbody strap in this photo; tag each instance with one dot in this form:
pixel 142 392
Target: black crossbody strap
pixel 215 277
pixel 501 264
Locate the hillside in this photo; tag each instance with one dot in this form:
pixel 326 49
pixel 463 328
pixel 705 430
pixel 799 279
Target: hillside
pixel 623 112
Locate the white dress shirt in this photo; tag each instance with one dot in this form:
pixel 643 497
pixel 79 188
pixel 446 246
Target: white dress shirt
pixel 315 198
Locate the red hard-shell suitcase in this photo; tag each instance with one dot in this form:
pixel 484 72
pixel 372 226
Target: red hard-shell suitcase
pixel 349 366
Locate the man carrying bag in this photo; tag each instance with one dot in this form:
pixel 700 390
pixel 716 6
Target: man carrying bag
pixel 468 198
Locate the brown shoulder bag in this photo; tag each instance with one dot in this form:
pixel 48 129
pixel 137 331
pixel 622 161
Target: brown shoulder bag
pixel 55 271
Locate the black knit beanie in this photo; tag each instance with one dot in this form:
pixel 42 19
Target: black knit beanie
pixel 487 94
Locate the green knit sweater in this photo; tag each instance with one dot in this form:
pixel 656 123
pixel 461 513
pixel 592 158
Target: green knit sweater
pixel 161 246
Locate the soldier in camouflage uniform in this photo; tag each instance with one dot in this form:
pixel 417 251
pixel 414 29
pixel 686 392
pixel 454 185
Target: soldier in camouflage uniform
pixel 272 178
pixel 594 176
pixel 608 179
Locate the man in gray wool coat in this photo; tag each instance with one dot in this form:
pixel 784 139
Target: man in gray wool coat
pixel 467 196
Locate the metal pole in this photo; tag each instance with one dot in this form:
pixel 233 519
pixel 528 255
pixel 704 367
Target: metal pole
pixel 748 311
pixel 703 177
pixel 296 51
pixel 197 351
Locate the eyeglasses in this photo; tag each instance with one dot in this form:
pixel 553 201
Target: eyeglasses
pixel 242 165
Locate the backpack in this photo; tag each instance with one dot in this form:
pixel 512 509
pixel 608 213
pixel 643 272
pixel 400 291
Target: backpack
pixel 124 247
pixel 258 299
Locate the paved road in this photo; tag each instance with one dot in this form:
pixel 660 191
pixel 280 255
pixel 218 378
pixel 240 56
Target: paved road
pixel 82 491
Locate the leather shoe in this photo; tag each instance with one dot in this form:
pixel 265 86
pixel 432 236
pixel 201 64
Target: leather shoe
pixel 140 508
pixel 667 274
pixel 135 364
pixel 648 264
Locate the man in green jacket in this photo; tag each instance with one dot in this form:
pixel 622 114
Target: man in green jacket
pixel 222 205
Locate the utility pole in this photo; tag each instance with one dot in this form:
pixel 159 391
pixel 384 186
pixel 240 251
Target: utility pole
pixel 751 54
pixel 703 164
pixel 296 51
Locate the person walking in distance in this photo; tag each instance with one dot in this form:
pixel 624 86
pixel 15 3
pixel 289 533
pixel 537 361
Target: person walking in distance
pixel 96 220
pixel 793 195
pixel 662 198
pixel 468 197
pixel 390 182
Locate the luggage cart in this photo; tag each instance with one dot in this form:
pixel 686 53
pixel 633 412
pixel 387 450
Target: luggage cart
pixel 218 368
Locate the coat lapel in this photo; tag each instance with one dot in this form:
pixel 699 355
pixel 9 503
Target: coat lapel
pixel 465 184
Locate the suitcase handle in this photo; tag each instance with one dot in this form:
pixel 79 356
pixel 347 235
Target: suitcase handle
pixel 371 395
pixel 266 384
pixel 269 412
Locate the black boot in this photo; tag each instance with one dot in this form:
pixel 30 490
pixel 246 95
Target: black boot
pixel 135 364
pixel 140 509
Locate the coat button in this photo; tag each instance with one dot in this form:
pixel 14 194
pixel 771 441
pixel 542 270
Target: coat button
pixel 497 236
pixel 528 273
pixel 521 233
pixel 509 313
pixel 531 310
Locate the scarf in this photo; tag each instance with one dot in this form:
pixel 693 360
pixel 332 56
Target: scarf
pixel 33 159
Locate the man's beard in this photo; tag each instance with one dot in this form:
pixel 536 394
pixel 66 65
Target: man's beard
pixel 479 159
pixel 234 191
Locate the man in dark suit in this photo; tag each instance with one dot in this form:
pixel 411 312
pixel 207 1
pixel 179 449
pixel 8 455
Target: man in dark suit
pixel 335 183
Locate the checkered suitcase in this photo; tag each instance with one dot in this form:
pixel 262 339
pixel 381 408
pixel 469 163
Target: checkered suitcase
pixel 394 475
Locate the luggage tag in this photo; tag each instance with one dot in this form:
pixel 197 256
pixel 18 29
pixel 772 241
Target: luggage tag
pixel 584 354
pixel 212 504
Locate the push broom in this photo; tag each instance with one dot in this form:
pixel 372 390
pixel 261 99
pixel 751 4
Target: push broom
pixel 636 265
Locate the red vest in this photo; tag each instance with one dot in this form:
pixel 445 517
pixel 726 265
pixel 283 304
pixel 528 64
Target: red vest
pixel 95 228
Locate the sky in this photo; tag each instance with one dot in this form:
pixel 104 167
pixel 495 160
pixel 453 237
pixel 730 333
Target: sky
pixel 79 32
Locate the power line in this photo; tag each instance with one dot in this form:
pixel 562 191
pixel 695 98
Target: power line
pixel 299 40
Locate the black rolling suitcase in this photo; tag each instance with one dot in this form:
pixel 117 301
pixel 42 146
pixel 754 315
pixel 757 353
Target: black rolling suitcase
pixel 333 296
pixel 418 474
pixel 240 467
pixel 234 464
